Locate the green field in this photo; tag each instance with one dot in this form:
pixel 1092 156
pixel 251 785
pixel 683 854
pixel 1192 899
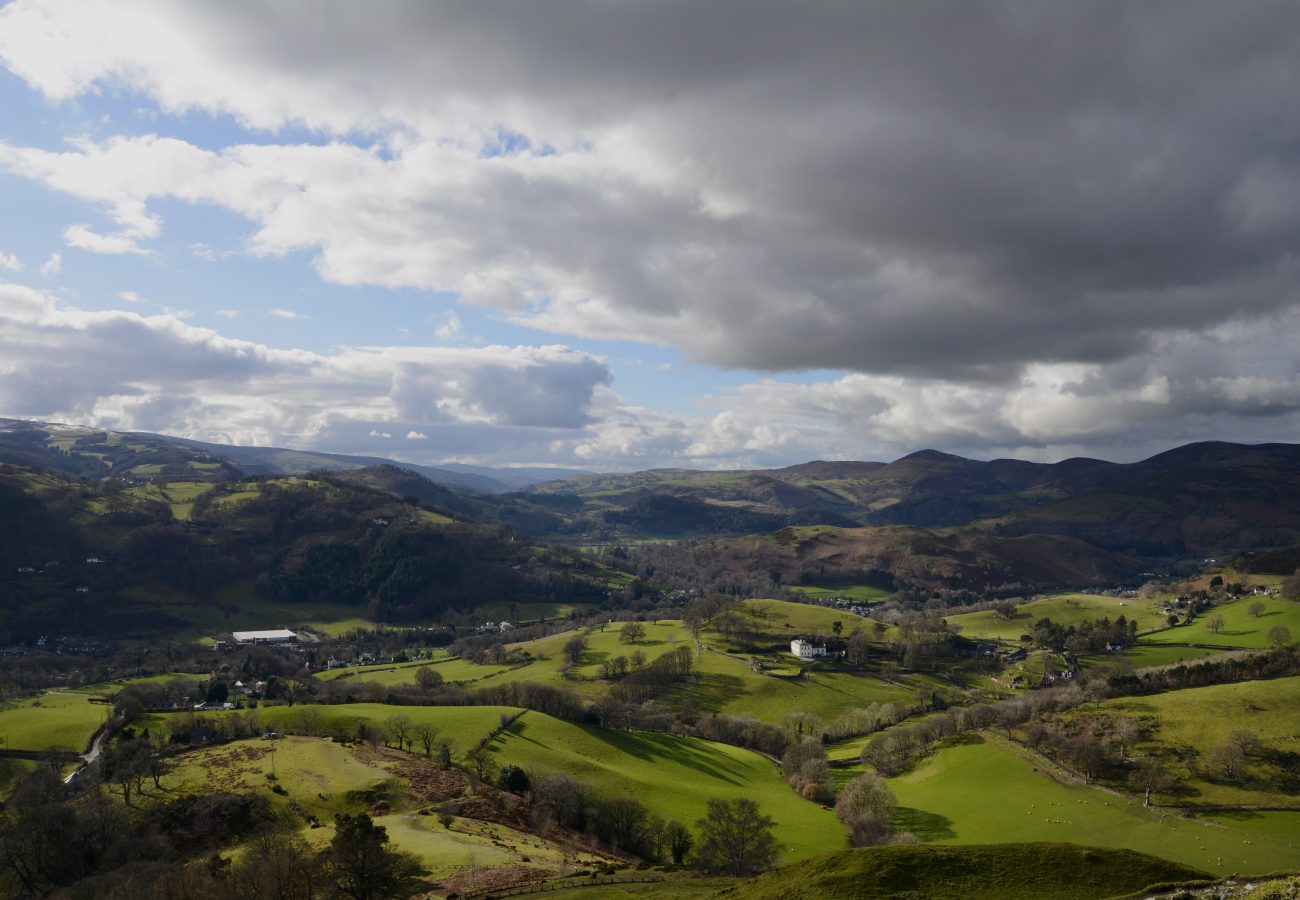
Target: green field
pixel 1240 628
pixel 322 778
pixel 862 593
pixel 451 670
pixel 727 683
pixel 461 726
pixel 783 619
pixel 977 793
pixel 1026 871
pixel 673 776
pixel 51 720
pixel 1203 717
pixel 1064 609
pixel 1145 654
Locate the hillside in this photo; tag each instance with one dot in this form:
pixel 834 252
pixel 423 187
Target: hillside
pixel 928 520
pixel 158 557
pixel 98 453
pixel 1208 498
pixel 1012 871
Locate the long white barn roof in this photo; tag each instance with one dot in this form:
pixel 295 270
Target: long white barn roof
pixel 275 634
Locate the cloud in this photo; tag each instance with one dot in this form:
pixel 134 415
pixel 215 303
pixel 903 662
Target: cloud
pixel 449 328
pixel 10 262
pixel 284 314
pixel 121 369
pixel 128 296
pixel 226 313
pixel 882 188
pixel 416 436
pixel 53 265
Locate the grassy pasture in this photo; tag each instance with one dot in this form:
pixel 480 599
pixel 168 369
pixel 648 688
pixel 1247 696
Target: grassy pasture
pixel 781 617
pixel 520 613
pixel 1201 718
pixel 50 720
pixel 988 793
pixel 1145 654
pixel 727 683
pixel 673 776
pixel 461 726
pixel 1240 628
pixel 862 593
pixel 451 669
pixel 1027 871
pixel 316 773
pixel 465 846
pixel 1064 609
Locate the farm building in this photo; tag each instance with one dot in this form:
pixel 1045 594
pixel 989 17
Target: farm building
pixel 806 649
pixel 273 636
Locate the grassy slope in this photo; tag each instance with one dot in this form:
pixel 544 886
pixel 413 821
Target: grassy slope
pixel 1064 609
pixel 673 776
pixel 318 775
pixel 987 792
pixel 727 683
pixel 1145 654
pixel 1203 717
pixel 451 669
pixel 1010 872
pixel 51 720
pixel 1240 628
pixel 863 593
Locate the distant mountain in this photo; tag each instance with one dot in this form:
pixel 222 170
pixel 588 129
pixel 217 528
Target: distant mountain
pixel 516 477
pixel 80 451
pixel 927 518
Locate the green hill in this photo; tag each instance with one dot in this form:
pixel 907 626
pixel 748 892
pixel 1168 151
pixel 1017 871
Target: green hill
pixel 1008 872
pixel 673 776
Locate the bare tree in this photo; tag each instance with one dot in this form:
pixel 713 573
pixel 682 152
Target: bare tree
pixel 427 735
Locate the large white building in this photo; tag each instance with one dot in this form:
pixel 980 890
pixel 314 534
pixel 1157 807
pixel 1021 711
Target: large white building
pixel 806 649
pixel 273 636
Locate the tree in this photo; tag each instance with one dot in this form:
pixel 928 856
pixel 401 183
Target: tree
pixel 1226 762
pixel 483 763
pixel 735 839
pixel 399 726
pixel 574 649
pixel 679 840
pixel 1150 776
pixel 837 626
pixel 866 807
pixel 631 632
pixel 1279 636
pixel 858 650
pixel 1256 609
pixel 427 735
pixel 427 678
pixel 280 866
pixel 1290 587
pixel 362 866
pixel 1215 623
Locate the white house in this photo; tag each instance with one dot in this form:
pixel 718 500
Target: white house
pixel 806 649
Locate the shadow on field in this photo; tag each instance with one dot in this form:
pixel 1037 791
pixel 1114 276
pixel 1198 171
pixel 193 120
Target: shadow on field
pixel 927 826
pixel 711 692
pixel 688 752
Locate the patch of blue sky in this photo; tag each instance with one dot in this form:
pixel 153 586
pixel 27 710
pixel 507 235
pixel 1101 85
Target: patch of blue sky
pixel 33 220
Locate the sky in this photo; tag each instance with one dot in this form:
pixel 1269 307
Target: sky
pixel 615 235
